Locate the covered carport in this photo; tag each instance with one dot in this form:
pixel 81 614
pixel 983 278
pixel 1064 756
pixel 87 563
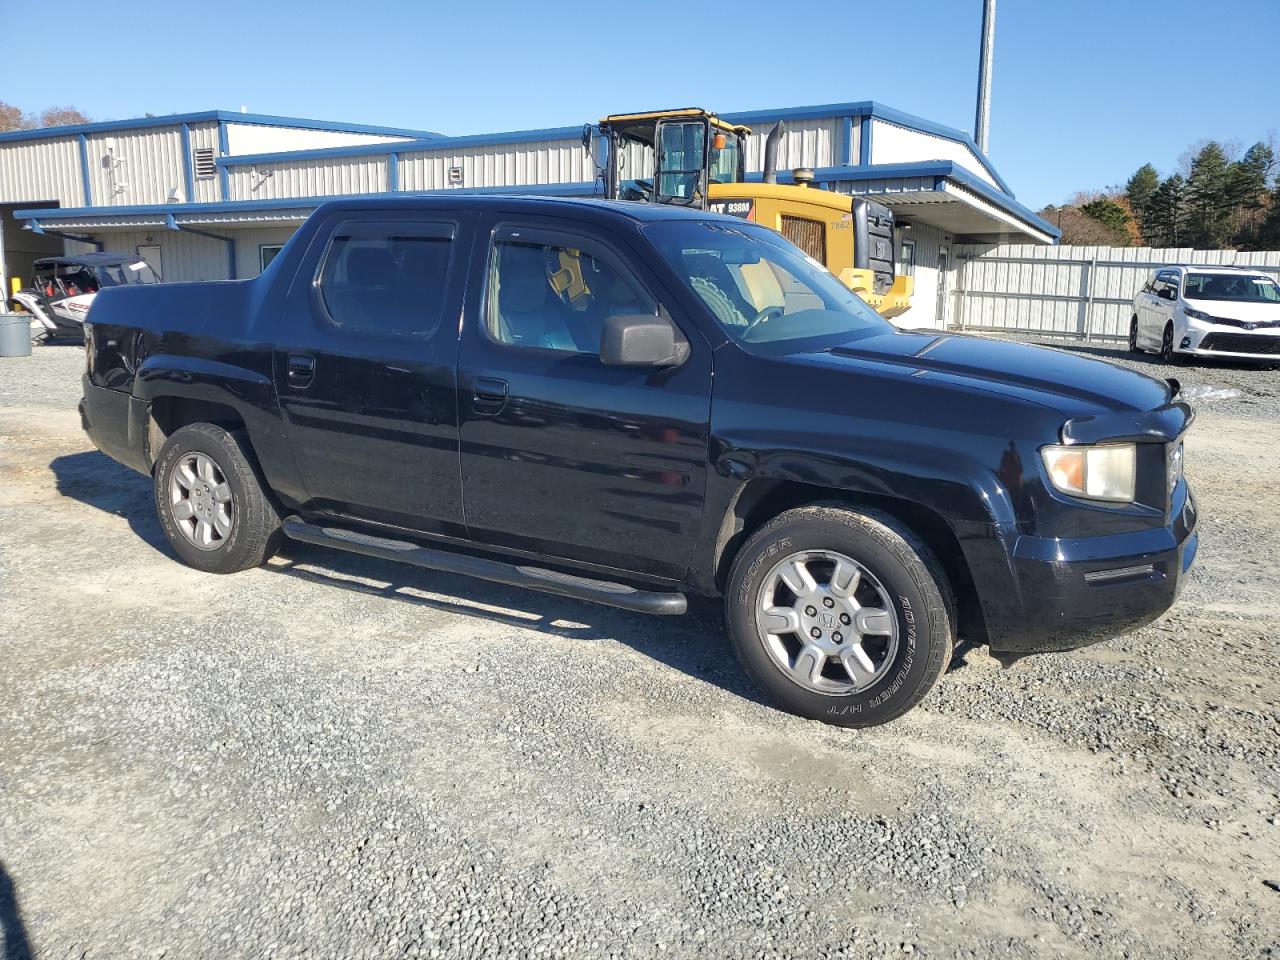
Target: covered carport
pixel 20 248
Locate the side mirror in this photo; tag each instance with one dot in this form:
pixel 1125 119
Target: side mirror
pixel 641 341
pixel 1167 293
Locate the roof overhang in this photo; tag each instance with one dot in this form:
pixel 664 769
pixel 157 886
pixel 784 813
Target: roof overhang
pixel 942 194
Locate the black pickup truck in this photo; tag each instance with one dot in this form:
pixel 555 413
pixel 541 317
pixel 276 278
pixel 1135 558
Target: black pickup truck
pixel 628 404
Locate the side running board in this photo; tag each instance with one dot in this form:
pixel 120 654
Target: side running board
pixel 532 578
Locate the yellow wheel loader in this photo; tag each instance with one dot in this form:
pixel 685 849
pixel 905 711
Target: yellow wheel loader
pixel 690 157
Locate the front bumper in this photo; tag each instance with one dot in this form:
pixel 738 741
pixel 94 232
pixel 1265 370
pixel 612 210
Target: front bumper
pixel 1072 593
pixel 1230 343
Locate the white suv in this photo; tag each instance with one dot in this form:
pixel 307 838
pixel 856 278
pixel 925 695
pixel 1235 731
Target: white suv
pixel 1208 312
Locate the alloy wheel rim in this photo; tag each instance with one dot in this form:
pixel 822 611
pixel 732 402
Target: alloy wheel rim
pixel 200 501
pixel 826 622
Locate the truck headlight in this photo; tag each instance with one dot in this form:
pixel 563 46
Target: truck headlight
pixel 1105 471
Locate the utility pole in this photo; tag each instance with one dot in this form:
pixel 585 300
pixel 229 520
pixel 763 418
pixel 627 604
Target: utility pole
pixel 982 122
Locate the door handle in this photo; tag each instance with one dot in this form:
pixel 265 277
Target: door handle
pixel 302 370
pixel 490 394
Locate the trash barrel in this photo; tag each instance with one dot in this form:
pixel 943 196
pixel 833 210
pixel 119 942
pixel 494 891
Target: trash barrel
pixel 15 334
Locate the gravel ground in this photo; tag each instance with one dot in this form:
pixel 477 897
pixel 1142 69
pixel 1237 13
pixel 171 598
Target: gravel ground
pixel 338 756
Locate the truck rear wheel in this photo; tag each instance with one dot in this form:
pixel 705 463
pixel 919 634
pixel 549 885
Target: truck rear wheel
pixel 211 502
pixel 839 616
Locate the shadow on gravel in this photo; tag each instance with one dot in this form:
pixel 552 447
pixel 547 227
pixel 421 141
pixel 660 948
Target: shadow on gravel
pixel 694 644
pixel 16 944
pixel 94 478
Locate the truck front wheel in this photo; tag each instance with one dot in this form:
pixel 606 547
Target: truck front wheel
pixel 210 501
pixel 838 615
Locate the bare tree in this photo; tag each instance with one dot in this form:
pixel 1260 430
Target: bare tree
pixel 11 118
pixel 61 117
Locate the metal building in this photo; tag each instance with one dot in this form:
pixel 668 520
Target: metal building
pixel 214 195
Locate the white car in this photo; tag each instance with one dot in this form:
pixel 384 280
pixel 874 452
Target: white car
pixel 1230 312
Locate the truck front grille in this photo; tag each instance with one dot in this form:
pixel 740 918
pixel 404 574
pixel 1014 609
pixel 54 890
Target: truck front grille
pixel 1241 343
pixel 809 235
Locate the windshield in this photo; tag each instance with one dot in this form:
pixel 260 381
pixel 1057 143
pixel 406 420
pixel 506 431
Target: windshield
pixel 767 295
pixel 1244 288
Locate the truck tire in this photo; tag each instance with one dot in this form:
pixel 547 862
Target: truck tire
pixel 211 502
pixel 840 616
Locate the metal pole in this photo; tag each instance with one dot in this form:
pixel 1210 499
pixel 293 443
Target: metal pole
pixel 1090 270
pixel 982 122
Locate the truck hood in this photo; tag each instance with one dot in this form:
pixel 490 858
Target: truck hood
pixel 1075 386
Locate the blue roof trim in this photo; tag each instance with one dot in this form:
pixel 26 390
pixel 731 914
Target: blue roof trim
pixel 815 111
pixel 188 175
pixel 227 116
pixel 162 210
pixel 85 182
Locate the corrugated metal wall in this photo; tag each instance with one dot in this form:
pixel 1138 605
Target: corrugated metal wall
pixel 499 165
pixel 136 166
pixel 806 143
pixel 248 242
pixel 1071 291
pixel 38 170
pixel 205 135
pixel 309 178
pixel 184 256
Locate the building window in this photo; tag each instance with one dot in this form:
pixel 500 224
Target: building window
pixel 202 159
pixel 907 258
pixel 266 253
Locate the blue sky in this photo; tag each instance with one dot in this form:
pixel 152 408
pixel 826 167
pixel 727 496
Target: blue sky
pixel 1085 90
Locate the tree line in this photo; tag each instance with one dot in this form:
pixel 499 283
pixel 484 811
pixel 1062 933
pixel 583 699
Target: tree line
pixel 13 118
pixel 1220 198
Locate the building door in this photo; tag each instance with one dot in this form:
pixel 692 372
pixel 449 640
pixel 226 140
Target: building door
pixel 944 285
pixel 150 252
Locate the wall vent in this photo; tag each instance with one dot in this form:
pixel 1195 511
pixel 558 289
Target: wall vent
pixel 455 175
pixel 206 168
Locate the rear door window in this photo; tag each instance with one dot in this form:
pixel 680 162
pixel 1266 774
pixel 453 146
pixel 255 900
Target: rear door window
pixel 386 278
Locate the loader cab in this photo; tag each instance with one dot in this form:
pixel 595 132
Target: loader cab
pixel 671 156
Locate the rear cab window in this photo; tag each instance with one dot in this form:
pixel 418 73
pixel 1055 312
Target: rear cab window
pixel 385 278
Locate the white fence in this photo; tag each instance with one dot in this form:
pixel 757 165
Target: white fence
pixel 1079 292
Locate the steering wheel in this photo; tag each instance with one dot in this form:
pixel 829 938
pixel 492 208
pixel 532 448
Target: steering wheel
pixel 764 316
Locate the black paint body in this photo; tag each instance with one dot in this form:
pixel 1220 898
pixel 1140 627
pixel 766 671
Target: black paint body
pixel 651 475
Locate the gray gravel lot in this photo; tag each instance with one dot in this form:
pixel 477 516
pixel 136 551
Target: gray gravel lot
pixel 338 756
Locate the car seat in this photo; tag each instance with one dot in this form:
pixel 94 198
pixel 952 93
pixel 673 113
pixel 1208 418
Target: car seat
pixel 526 314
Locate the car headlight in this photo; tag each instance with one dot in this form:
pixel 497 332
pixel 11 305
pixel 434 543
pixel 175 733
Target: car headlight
pixel 1174 468
pixel 1193 314
pixel 1106 471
